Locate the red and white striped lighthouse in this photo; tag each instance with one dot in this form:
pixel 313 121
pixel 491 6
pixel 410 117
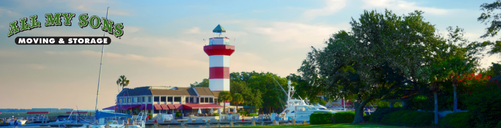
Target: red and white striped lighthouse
pixel 219 51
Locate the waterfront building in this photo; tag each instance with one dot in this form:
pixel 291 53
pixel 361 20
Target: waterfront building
pixel 163 99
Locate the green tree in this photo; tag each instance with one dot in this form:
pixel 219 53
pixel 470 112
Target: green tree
pixel 122 81
pixel 204 83
pixel 382 57
pixel 491 18
pixel 238 86
pixel 273 96
pixel 224 97
pixel 238 99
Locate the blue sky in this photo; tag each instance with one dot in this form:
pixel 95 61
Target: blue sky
pixel 163 42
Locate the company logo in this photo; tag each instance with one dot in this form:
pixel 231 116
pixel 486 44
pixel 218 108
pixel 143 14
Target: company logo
pixel 58 19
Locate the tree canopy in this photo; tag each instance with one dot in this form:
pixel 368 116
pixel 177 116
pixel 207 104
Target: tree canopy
pixel 383 55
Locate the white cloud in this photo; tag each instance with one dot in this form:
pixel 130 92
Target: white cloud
pixel 7 12
pixel 93 7
pixel 193 30
pixel 402 6
pixel 331 7
pixel 295 35
pixel 169 62
pixel 36 66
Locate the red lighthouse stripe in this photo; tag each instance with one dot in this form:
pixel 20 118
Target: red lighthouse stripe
pixel 219 49
pixel 219 72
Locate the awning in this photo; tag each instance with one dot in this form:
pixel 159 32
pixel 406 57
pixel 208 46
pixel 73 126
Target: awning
pixel 171 106
pixel 111 107
pixel 201 106
pixel 39 112
pixel 178 106
pixel 148 107
pixel 164 107
pixel 127 107
pixel 157 107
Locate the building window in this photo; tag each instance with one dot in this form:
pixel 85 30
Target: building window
pixel 187 99
pixel 162 99
pixel 210 100
pixel 202 100
pixel 156 99
pixel 149 99
pixel 207 99
pixel 140 99
pixel 191 100
pixel 120 100
pixel 129 100
pixel 156 111
pixel 177 99
pixel 135 100
pixel 169 99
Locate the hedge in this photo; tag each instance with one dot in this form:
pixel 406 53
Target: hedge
pixel 456 120
pixel 484 104
pixel 408 118
pixel 253 114
pixel 328 118
pixel 499 125
pixel 321 118
pixel 380 112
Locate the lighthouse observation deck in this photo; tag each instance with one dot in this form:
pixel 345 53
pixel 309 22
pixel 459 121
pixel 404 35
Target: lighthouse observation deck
pixel 219 41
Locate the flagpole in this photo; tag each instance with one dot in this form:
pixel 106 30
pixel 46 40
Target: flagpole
pixel 100 66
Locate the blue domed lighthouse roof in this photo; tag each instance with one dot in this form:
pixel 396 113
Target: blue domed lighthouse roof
pixel 218 29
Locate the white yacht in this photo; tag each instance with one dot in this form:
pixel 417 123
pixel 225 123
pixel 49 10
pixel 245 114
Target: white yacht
pixel 137 121
pixel 299 110
pixel 17 122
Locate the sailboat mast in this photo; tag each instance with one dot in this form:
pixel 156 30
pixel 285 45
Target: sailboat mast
pixel 100 65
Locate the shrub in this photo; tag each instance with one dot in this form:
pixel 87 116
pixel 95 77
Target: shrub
pixel 216 114
pixel 150 116
pixel 499 125
pixel 456 120
pixel 367 118
pixel 321 118
pixel 339 117
pixel 178 114
pixel 380 112
pixel 484 104
pixel 243 112
pixel 344 117
pixel 253 114
pixel 408 118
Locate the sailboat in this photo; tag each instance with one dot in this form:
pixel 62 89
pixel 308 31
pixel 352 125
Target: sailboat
pixel 101 116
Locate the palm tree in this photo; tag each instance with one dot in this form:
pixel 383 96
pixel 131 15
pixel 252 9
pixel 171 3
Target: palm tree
pixel 122 81
pixel 238 99
pixel 223 97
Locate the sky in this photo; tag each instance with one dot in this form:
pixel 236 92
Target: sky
pixel 163 42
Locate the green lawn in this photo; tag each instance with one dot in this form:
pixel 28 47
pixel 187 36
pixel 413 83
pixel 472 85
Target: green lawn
pixel 329 126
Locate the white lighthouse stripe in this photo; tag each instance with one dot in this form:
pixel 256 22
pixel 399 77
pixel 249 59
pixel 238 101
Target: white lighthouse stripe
pixel 219 61
pixel 219 84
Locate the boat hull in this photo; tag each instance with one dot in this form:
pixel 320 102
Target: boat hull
pixel 18 122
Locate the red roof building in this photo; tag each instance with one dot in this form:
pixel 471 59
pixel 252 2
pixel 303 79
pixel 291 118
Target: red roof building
pixel 155 100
